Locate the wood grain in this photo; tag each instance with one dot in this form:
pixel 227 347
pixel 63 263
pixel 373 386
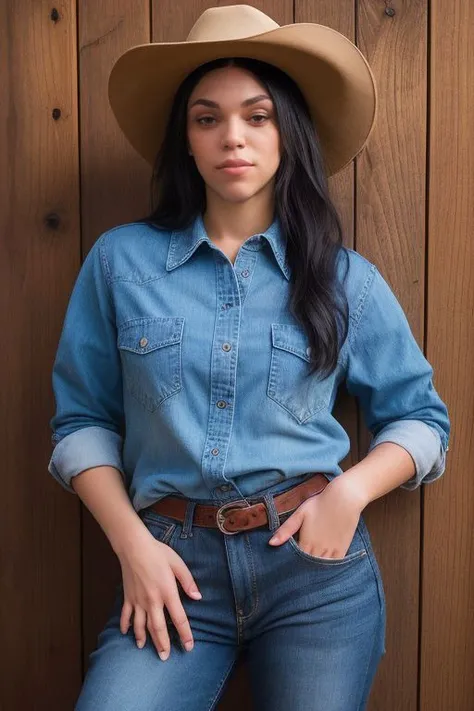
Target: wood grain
pixel 39 256
pixel 390 231
pixel 447 639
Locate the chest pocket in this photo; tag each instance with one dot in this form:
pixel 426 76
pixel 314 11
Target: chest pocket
pixel 289 384
pixel 150 349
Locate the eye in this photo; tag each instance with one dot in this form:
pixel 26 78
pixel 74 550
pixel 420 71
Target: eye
pixel 259 116
pixel 205 118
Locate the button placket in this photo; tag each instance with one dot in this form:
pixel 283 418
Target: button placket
pixel 223 376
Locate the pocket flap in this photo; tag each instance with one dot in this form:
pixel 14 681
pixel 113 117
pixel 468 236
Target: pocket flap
pixel 292 339
pixel 147 334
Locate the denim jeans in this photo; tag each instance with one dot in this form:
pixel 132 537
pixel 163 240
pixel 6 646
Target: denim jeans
pixel 313 629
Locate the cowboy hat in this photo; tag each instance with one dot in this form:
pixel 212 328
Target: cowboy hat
pixel 330 70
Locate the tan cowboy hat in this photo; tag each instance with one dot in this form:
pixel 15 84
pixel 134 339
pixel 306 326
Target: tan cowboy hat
pixel 330 70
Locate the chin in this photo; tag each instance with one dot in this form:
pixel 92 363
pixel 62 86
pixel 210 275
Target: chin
pixel 238 194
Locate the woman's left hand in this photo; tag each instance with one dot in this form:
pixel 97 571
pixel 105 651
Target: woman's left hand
pixel 326 522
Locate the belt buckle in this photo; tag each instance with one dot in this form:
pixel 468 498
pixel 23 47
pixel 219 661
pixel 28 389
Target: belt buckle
pixel 220 518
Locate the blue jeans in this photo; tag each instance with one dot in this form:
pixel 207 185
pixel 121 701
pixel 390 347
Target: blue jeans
pixel 313 629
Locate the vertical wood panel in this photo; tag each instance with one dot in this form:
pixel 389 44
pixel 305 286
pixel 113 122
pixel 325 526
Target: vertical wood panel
pixel 390 231
pixel 114 190
pixel 447 678
pixel 39 525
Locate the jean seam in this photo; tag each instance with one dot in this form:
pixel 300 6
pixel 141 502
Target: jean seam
pixel 237 616
pixel 378 580
pixel 244 618
pixel 221 684
pixel 369 659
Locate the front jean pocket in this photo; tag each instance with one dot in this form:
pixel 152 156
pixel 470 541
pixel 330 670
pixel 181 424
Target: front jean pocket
pixel 356 551
pixel 289 384
pixel 150 349
pixel 160 527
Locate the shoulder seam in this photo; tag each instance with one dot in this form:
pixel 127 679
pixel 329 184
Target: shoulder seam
pixel 357 315
pixel 104 265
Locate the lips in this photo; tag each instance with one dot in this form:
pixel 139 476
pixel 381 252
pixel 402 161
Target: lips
pixel 234 164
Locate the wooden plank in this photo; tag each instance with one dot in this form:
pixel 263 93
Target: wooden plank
pixel 114 190
pixel 39 255
pixel 390 231
pixel 447 641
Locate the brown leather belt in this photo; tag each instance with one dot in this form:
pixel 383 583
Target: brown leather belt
pixel 237 515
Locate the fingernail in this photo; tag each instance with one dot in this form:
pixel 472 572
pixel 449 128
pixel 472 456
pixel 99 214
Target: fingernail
pixel 188 646
pixel 140 643
pixel 164 655
pixel 196 594
pixel 275 539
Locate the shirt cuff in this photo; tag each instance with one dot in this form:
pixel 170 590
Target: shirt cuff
pixel 83 449
pixel 424 445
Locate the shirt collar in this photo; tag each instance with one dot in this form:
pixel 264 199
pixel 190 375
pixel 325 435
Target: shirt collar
pixel 183 243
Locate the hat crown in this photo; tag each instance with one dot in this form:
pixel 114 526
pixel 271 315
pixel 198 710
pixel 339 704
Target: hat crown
pixel 230 22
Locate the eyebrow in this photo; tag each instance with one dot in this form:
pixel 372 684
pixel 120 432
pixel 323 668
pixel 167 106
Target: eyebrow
pixel 248 102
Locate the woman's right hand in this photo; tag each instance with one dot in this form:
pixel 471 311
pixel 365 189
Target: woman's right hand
pixel 149 571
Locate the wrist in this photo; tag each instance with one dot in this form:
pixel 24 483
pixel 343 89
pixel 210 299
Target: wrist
pixel 129 537
pixel 352 489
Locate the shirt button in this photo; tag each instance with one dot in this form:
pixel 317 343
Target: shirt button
pixel 308 351
pixel 226 347
pixel 221 403
pixel 245 273
pixel 225 487
pixel 143 342
pixel 215 451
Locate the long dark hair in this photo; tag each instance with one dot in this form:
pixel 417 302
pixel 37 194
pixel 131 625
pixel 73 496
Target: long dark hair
pixel 307 214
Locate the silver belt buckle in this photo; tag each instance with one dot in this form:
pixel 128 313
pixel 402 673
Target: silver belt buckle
pixel 220 518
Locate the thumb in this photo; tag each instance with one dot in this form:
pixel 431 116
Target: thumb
pixel 287 529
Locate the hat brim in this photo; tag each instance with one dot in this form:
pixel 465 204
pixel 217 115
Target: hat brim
pixel 332 73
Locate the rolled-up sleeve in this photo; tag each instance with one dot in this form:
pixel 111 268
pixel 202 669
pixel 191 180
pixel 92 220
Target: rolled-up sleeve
pixel 393 381
pixel 88 424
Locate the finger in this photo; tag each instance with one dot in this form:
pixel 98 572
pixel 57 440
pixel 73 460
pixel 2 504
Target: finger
pixel 125 617
pixel 159 631
pixel 139 622
pixel 180 621
pixel 287 529
pixel 184 575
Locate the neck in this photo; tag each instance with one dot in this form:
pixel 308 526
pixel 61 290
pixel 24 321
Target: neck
pixel 235 222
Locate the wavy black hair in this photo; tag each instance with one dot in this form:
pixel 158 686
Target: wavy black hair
pixel 307 214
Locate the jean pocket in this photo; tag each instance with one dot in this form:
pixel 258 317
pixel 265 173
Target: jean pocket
pixel 160 527
pixel 289 383
pixel 150 349
pixel 356 551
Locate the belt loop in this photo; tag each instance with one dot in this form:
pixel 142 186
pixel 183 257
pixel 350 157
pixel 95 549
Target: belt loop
pixel 188 520
pixel 273 517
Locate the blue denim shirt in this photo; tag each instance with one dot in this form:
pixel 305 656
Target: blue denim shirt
pixel 186 372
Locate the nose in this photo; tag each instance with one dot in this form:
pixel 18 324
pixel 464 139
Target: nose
pixel 233 134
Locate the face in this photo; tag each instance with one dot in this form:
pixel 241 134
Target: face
pixel 231 117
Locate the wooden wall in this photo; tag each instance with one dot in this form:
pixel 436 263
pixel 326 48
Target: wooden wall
pixel 407 204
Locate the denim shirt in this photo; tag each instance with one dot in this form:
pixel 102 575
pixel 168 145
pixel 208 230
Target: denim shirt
pixel 187 372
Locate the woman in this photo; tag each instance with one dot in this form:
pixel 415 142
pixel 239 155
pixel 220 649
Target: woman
pixel 197 371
